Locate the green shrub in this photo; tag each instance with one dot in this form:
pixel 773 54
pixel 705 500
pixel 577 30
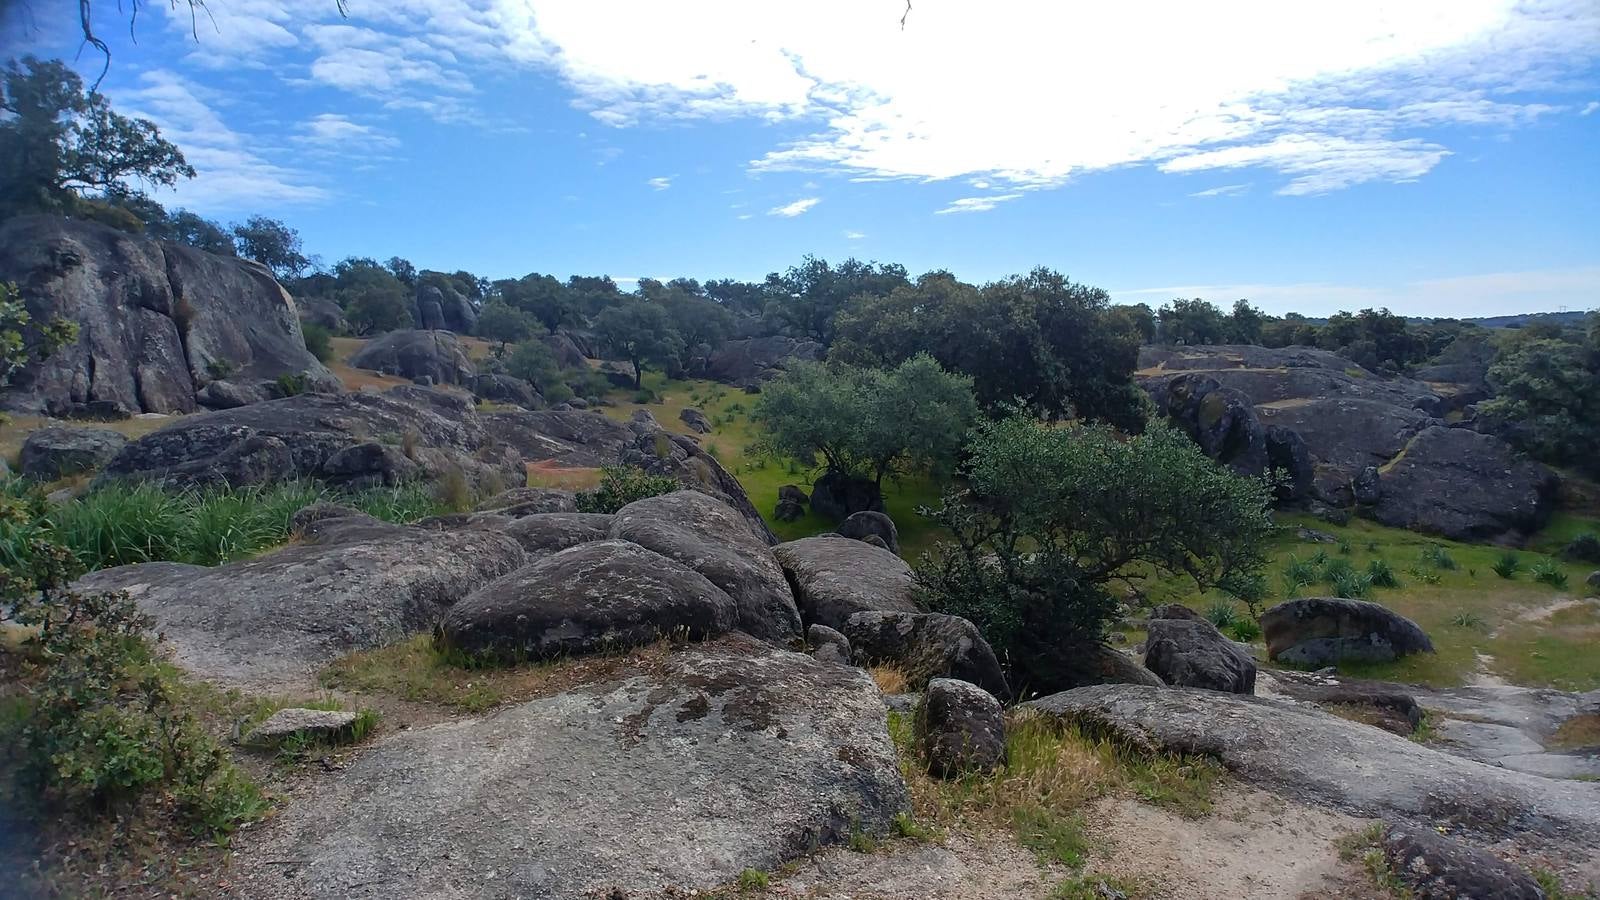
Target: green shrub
pixel 621 485
pixel 1352 584
pixel 1549 572
pixel 1297 574
pixel 1245 630
pixel 753 880
pixel 1221 614
pixel 123 523
pixel 1583 548
pixel 1381 574
pixel 291 385
pixel 1336 569
pixel 319 341
pixel 644 395
pixel 1507 565
pixel 1438 557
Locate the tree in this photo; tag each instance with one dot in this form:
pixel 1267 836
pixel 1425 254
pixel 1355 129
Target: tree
pixel 744 298
pixel 499 322
pixel 867 423
pixel 273 244
pixel 59 145
pixel 543 297
pixel 1547 395
pixel 1137 318
pixel 696 320
pixel 1050 516
pixel 639 332
pixel 592 294
pixel 1244 324
pixel 1191 322
pixel 806 297
pixel 374 300
pixel 533 362
pixel 403 270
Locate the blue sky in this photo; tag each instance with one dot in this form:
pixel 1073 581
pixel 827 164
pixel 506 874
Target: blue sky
pixel 1438 158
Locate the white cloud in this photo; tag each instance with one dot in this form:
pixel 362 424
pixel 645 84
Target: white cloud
pixel 1589 107
pixel 744 216
pixel 1320 162
pixel 230 169
pixel 853 235
pixel 1226 190
pixel 661 183
pixel 334 131
pixel 790 210
pixel 975 204
pixel 1486 294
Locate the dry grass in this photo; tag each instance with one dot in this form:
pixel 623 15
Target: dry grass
pixel 551 474
pixel 17 428
pixel 1581 732
pixel 891 680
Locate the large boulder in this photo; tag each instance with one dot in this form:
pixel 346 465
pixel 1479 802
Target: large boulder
pixel 542 534
pixel 527 501
pixel 1219 419
pixel 1465 486
pixel 571 437
pixel 828 645
pixel 272 621
pixel 709 537
pixel 1324 631
pixel 750 361
pixel 589 598
pixel 418 354
pixel 1435 867
pixel 679 456
pixel 1311 755
pixel 926 646
pixel 61 450
pixel 439 306
pixel 507 389
pixel 835 577
pixel 838 495
pixel 667 782
pixel 1193 653
pixel 322 312
pixel 868 523
pixel 156 321
pixel 344 439
pixel 961 728
pixel 696 420
pixel 1345 435
pixel 567 351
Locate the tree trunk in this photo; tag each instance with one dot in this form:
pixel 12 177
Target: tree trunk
pixel 638 376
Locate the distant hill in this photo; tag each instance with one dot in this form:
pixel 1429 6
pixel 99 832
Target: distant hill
pixel 1523 319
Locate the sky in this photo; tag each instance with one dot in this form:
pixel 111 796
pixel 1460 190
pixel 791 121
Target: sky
pixel 1438 157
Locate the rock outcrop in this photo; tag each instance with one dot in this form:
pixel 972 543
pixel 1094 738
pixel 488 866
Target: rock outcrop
pixel 353 439
pixel 589 598
pixel 441 307
pixel 835 577
pixel 961 729
pixel 750 361
pixel 677 455
pixel 708 536
pixel 1434 866
pixel 926 646
pixel 867 523
pixel 506 389
pixel 157 322
pixel 57 451
pixel 1193 653
pixel 1464 486
pixel 273 620
pixel 1324 631
pixel 434 355
pixel 542 534
pixel 724 757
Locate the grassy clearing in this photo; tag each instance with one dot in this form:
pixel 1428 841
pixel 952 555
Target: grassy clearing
pixel 17 428
pixel 1052 772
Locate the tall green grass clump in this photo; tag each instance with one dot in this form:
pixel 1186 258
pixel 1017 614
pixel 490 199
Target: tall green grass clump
pixel 1548 572
pixel 1507 566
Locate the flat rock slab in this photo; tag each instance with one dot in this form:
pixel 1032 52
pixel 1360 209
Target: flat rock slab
pixel 271 622
pixel 835 577
pixel 724 757
pixel 295 720
pixel 1306 753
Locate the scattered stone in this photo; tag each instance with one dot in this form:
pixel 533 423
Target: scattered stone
pixel 722 757
pixel 598 596
pixel 926 646
pixel 869 523
pixel 837 495
pixel 696 420
pixel 1320 631
pixel 57 451
pixel 1191 653
pixel 1438 868
pixel 828 645
pixel 793 493
pixel 834 578
pixel 961 728
pixel 316 723
pixel 1367 487
pixel 789 511
pixel 527 501
pixel 708 536
pixel 1313 536
pixel 542 534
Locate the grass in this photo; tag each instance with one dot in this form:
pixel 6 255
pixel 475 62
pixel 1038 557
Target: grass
pixel 17 428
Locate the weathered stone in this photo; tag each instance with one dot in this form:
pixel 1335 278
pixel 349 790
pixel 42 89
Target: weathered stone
pixel 1438 868
pixel 413 354
pixel 834 578
pixel 589 598
pixel 1391 707
pixel 789 511
pixel 926 646
pixel 307 436
pixel 1309 754
pixel 837 495
pixel 526 501
pixel 722 758
pixel 1367 486
pixel 1095 662
pixel 1593 580
pixel 1191 653
pixel 1465 486
pixel 750 361
pixel 664 453
pixel 322 312
pixel 794 493
pixel 696 420
pixel 273 620
pixel 439 306
pixel 542 534
pixel 156 321
pixel 828 645
pixel 709 537
pixel 570 437
pixel 961 728
pixel 1321 631
pixel 285 723
pixel 1290 465
pixel 61 450
pixel 507 389
pixel 868 523
pixel 306 516
pixel 1220 420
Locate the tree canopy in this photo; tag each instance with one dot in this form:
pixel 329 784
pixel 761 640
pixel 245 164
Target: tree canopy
pixel 805 297
pixel 275 245
pixel 1547 394
pixel 639 332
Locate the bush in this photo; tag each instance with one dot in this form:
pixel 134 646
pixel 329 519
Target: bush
pixel 1549 572
pixel 621 485
pixel 1507 565
pixel 1245 630
pixel 318 340
pixel 1381 574
pixel 1438 557
pixel 1352 584
pixel 291 385
pixel 1051 515
pixel 644 395
pixel 1221 614
pixel 1583 548
pixel 98 727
